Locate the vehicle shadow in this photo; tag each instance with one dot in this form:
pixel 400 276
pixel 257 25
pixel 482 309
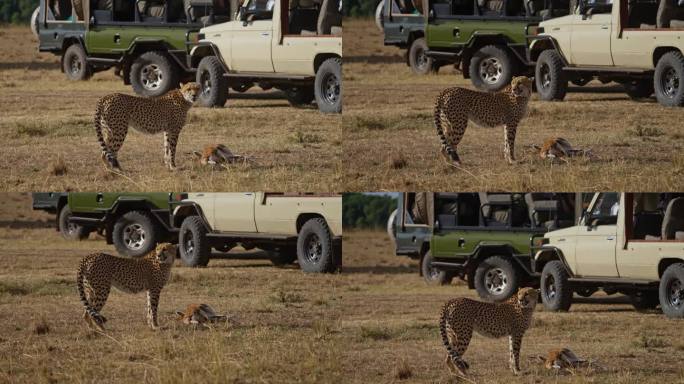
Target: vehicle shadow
pixel 28 65
pixel 25 224
pixel 372 59
pixel 380 269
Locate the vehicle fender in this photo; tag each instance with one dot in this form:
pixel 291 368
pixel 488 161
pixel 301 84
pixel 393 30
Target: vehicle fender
pixel 542 43
pixel 321 57
pixel 485 250
pixel 185 209
pixel 203 49
pixel 67 41
pixel 546 254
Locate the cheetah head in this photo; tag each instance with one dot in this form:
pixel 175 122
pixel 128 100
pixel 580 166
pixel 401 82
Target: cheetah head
pixel 521 86
pixel 527 297
pixel 166 253
pixel 190 91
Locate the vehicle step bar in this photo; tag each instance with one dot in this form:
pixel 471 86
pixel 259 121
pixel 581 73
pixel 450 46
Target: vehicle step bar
pixel 249 235
pixel 103 60
pixel 612 280
pixel 448 265
pixel 441 55
pixel 269 75
pixel 606 69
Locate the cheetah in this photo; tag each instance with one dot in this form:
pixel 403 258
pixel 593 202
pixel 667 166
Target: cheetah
pixel 167 113
pixel 461 316
pixel 455 106
pixel 98 272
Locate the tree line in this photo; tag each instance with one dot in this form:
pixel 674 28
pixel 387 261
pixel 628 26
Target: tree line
pixel 366 211
pixel 359 8
pixel 17 11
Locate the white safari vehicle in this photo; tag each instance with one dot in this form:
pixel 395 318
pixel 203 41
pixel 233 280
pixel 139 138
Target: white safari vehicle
pixel 306 228
pixel 638 43
pixel 631 243
pixel 292 45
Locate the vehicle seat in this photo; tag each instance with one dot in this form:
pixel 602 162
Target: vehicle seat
pixel 534 7
pixel 151 10
pixel 642 15
pixel 303 17
pixel 542 209
pixel 490 7
pixel 647 224
pixel 494 208
pixel 441 9
pixel 674 219
pixel 329 16
pixel 669 15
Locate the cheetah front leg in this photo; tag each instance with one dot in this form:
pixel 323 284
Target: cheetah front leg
pixel 170 142
pixel 152 306
pixel 509 142
pixel 514 342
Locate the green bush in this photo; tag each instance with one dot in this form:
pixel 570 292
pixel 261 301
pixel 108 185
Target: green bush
pixel 17 11
pixel 359 8
pixel 366 211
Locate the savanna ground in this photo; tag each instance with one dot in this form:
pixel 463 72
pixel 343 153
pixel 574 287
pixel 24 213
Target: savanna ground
pixel 47 123
pixel 391 144
pixel 376 322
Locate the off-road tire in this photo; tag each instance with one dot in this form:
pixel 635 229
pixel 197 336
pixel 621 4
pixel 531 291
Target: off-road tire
pixel 639 88
pixel 35 22
pixel 299 96
pixel 645 300
pixel 507 272
pixel 379 20
pixel 125 223
pixel 284 256
pixel 193 243
pixel 315 247
pixel 551 81
pixel 419 63
pixel 671 278
pixel 560 297
pixel 328 86
pixel 502 56
pixel 70 231
pixel 154 61
pixel 210 74
pixel 75 64
pixel 671 63
pixel 434 276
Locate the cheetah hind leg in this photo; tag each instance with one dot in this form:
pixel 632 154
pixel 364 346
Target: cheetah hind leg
pixel 96 322
pixel 458 368
pixel 111 162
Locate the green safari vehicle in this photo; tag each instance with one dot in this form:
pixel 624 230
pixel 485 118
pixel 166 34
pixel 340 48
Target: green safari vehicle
pixel 483 238
pixel 146 41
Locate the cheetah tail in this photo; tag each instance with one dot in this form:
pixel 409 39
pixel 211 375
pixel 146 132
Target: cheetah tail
pixel 106 153
pixel 453 355
pixel 440 127
pixel 81 292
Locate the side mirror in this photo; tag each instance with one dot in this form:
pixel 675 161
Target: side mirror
pixel 92 20
pixel 243 14
pixel 437 225
pixel 431 15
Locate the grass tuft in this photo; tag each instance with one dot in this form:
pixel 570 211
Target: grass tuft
pixel 649 342
pixel 375 333
pixel 59 167
pixel 397 161
pixel 402 371
pixel 41 328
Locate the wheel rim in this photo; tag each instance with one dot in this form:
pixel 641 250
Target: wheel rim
pixel 75 65
pixel 545 73
pixel 151 77
pixel 313 249
pixel 491 70
pixel 675 293
pixel 670 82
pixel 496 281
pixel 189 243
pixel 72 228
pixel 550 288
pixel 205 83
pixel 432 272
pixel 421 59
pixel 134 236
pixel 330 88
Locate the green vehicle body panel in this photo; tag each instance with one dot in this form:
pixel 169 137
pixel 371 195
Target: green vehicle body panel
pixel 440 32
pixel 100 39
pixel 93 202
pixel 445 244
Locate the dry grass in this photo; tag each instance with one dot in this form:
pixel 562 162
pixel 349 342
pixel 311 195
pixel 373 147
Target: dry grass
pixel 46 117
pixel 391 319
pixel 389 110
pixel 284 323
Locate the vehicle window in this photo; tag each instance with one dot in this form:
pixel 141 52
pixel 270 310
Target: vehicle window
pixel 60 10
pixel 404 7
pixel 606 208
pixel 599 6
pixel 262 8
pixel 463 7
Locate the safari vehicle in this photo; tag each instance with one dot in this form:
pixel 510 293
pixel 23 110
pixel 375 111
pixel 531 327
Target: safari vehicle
pixel 295 46
pixel 56 203
pixel 485 39
pixel 636 43
pixel 631 243
pixel 403 25
pixel 483 238
pixel 306 228
pixel 145 40
pixel 133 222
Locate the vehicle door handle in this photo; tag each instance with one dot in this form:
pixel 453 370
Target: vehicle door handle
pixel 610 238
pixel 117 38
pixel 555 29
pixel 265 34
pixel 99 198
pixel 461 242
pixel 604 27
pixel 457 32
